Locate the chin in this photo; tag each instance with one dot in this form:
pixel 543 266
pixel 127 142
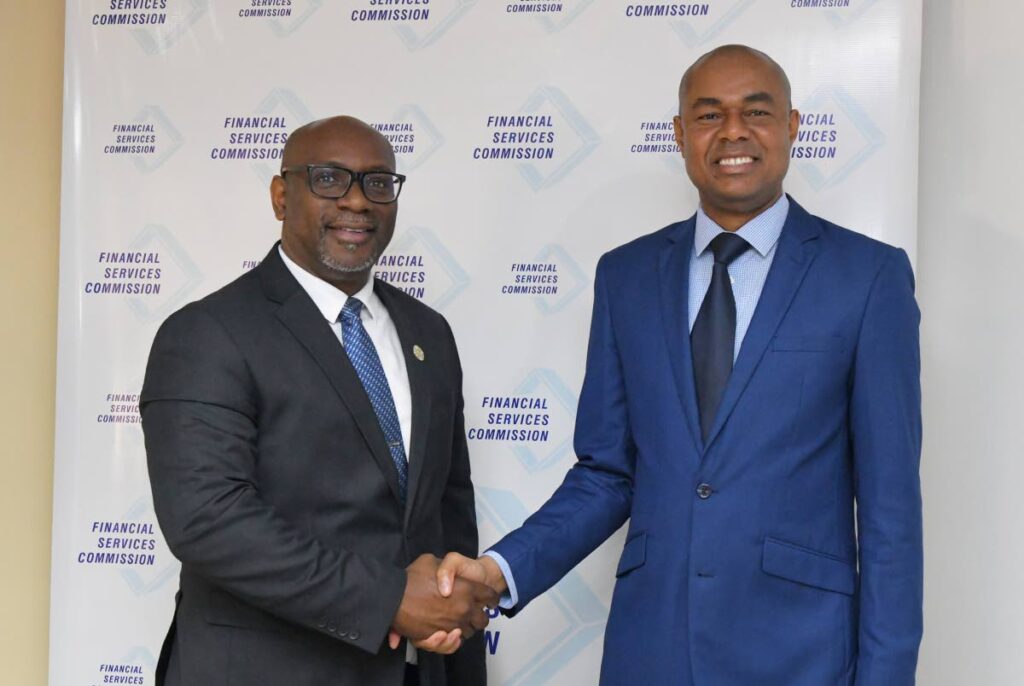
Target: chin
pixel 747 199
pixel 351 264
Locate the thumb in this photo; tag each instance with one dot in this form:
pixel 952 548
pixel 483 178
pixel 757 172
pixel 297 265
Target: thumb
pixel 445 579
pixel 394 639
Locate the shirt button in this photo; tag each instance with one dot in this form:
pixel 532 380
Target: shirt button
pixel 704 491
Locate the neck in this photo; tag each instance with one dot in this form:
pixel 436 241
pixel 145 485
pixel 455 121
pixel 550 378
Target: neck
pixel 349 283
pixel 732 219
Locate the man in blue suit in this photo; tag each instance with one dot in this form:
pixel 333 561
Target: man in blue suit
pixel 752 406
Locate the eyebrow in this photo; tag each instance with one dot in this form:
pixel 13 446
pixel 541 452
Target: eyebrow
pixel 371 168
pixel 760 96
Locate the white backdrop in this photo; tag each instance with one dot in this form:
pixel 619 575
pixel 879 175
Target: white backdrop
pixel 174 112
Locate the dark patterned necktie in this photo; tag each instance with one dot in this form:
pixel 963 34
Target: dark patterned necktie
pixel 713 338
pixel 364 358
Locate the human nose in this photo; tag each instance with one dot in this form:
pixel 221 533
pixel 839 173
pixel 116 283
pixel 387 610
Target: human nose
pixel 354 198
pixel 734 127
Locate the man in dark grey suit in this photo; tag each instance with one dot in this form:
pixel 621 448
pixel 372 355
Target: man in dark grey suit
pixel 304 433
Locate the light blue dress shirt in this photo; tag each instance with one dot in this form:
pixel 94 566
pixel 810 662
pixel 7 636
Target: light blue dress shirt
pixel 748 273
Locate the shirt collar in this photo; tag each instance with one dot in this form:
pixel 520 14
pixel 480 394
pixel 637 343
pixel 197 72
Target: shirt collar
pixel 328 299
pixel 762 232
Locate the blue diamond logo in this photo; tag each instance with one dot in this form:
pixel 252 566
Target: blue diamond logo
pixel 179 274
pixel 280 102
pixel 168 138
pixel 180 20
pixel 144 580
pixel 571 279
pixel 673 161
pixel 546 383
pixel 450 12
pixel 572 616
pixel 822 174
pixel 301 10
pixel 428 138
pixel 446 278
pixel 567 120
pixel 699 30
pixel 552 25
pixel 842 18
pixel 140 655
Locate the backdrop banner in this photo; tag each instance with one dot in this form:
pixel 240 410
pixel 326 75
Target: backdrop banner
pixel 536 135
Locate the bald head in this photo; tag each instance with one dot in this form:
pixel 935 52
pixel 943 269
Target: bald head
pixel 735 129
pixel 735 52
pixel 304 141
pixel 337 238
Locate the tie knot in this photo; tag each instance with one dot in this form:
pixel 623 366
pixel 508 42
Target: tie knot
pixel 350 312
pixel 727 247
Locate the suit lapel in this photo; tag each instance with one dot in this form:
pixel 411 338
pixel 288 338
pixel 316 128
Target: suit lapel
pixel 674 288
pixel 301 317
pixel 419 387
pixel 794 255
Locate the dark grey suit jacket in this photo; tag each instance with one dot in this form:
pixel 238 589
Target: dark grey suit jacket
pixel 273 485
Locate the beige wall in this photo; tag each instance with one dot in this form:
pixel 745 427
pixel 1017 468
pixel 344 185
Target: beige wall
pixel 31 68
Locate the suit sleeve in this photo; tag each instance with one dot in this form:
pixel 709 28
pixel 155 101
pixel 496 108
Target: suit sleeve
pixel 466 667
pixel 595 498
pixel 885 419
pixel 200 417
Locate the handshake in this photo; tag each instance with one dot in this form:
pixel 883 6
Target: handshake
pixel 446 601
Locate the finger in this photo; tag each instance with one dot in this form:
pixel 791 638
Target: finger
pixel 452 643
pixel 446 572
pixel 485 595
pixel 433 642
pixel 445 579
pixel 394 639
pixel 479 619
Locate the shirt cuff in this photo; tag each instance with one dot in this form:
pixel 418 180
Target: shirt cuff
pixel 510 598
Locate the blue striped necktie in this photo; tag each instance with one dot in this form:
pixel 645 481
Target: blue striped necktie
pixel 367 364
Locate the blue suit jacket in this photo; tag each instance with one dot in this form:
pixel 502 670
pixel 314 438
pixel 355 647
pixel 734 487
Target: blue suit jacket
pixel 746 562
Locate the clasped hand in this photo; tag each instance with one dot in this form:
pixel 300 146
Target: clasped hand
pixel 445 601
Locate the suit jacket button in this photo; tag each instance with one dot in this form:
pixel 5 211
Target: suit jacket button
pixel 354 635
pixel 704 491
pixel 332 627
pixel 322 624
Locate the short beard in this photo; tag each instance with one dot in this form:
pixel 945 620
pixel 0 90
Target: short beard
pixel 339 268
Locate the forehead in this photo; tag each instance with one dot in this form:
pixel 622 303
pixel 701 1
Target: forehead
pixel 733 77
pixel 351 146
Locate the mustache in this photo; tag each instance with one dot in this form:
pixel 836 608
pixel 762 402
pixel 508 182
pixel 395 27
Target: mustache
pixel 355 222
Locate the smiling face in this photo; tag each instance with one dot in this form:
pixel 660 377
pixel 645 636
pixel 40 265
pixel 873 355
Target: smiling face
pixel 339 239
pixel 735 128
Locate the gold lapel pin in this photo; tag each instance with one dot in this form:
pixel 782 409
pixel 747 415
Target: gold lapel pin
pixel 418 353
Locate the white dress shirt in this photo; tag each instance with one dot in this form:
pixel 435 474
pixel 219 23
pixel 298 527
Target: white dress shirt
pixel 377 322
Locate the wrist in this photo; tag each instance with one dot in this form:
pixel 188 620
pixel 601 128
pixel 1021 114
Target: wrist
pixel 493 576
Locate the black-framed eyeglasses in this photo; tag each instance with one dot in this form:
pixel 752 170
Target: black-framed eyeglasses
pixel 330 181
